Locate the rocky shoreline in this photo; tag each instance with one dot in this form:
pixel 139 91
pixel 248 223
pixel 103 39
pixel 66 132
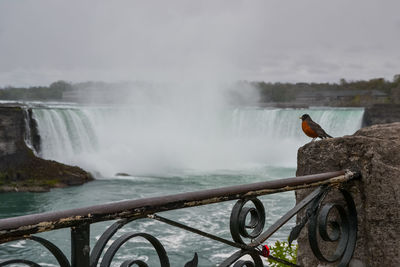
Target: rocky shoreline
pixel 20 169
pixel 24 172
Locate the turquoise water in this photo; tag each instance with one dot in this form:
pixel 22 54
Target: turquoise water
pixel 239 147
pixel 179 245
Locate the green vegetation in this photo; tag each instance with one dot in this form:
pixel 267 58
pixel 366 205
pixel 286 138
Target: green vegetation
pixel 53 92
pixel 343 93
pixel 3 178
pixel 286 92
pixel 283 250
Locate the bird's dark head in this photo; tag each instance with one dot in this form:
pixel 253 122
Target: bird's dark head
pixel 304 117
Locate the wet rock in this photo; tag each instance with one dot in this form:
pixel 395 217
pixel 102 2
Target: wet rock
pixel 375 153
pixel 20 169
pixel 33 126
pixel 122 174
pixel 381 114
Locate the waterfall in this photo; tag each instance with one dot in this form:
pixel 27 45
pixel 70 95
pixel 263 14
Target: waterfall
pixel 31 135
pixel 65 133
pixel 147 139
pixel 28 133
pixel 276 134
pixel 284 123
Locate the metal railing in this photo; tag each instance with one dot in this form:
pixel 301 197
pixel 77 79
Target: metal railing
pixel 245 223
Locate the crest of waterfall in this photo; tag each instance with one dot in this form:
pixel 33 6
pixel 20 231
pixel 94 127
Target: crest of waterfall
pixel 138 140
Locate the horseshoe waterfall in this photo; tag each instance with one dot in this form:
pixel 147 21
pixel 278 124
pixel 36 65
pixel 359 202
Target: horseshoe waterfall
pixel 109 140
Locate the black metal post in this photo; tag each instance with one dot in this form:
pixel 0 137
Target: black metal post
pixel 80 245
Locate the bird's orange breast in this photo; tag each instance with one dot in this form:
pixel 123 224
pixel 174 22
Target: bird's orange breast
pixel 307 130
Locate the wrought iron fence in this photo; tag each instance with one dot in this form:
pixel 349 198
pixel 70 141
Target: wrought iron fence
pixel 247 222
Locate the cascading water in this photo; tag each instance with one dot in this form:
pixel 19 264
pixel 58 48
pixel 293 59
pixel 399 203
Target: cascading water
pixel 28 135
pixel 65 133
pixel 136 140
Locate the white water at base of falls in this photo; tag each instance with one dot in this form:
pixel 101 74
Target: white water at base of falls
pixel 143 140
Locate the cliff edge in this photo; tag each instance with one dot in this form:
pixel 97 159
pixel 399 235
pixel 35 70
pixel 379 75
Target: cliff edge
pixel 374 152
pixel 381 114
pixel 20 169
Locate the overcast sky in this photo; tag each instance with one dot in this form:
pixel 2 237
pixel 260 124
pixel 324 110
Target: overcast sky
pixel 313 41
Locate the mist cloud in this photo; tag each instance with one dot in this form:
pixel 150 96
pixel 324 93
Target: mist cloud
pixel 46 40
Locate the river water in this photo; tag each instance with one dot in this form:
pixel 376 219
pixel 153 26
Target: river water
pixel 163 151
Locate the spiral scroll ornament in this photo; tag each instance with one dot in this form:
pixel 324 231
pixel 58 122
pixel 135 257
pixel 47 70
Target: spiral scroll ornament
pixel 235 259
pixel 109 255
pixel 245 221
pixel 341 229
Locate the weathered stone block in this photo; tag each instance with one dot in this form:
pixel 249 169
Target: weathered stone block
pixel 375 153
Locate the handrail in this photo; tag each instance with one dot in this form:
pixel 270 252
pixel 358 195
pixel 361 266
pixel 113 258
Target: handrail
pixel 79 221
pixel 139 208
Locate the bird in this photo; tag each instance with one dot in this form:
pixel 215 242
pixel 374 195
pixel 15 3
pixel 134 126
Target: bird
pixel 312 129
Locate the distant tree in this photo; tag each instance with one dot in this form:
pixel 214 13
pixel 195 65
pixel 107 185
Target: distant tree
pixel 396 79
pixel 61 85
pixel 395 94
pixel 376 84
pixel 53 92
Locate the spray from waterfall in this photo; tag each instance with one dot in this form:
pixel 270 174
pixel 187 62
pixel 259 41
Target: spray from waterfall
pixel 156 139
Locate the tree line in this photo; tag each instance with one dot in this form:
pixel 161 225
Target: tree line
pixel 268 92
pixel 52 92
pixel 285 92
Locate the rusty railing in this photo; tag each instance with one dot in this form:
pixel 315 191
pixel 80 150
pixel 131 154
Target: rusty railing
pixel 246 223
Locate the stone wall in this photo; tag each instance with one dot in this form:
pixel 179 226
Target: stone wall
pixel 375 152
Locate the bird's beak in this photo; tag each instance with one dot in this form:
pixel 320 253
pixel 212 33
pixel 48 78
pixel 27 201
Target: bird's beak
pixel 300 118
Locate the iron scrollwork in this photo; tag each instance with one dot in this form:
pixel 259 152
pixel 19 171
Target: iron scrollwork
pixel 341 229
pixel 108 256
pixel 112 250
pixel 247 222
pixel 239 222
pixel 54 250
pixel 234 261
pixel 20 261
pixel 115 246
pixel 327 222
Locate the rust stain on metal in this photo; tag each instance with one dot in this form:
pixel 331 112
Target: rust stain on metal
pixel 73 218
pixel 118 210
pixel 43 226
pixel 204 202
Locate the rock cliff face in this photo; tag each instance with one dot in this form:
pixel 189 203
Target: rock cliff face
pixel 20 169
pixel 375 152
pixel 380 114
pixel 11 123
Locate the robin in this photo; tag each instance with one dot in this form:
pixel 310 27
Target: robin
pixel 312 129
